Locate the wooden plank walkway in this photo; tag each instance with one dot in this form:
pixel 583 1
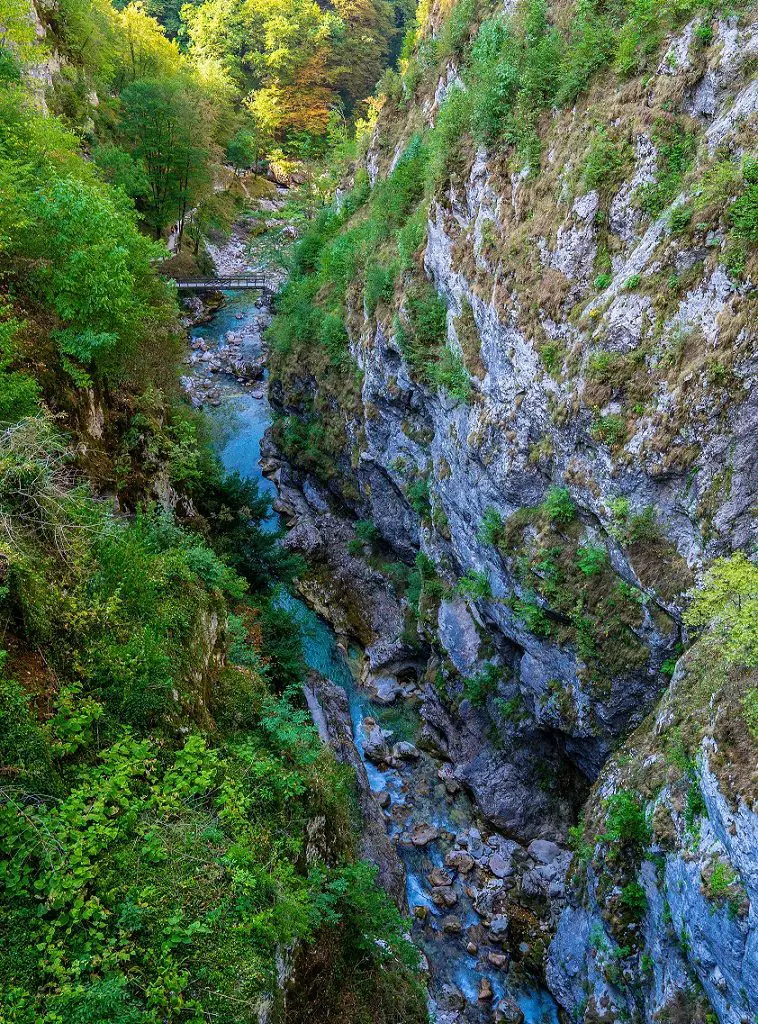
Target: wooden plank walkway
pixel 251 282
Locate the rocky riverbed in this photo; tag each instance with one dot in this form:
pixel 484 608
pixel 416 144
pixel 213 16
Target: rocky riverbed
pixel 238 353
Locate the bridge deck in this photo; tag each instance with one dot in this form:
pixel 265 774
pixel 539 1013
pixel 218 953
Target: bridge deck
pixel 252 282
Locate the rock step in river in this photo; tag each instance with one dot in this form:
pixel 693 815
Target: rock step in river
pixel 456 870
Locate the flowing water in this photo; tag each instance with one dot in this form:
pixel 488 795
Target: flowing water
pixel 239 416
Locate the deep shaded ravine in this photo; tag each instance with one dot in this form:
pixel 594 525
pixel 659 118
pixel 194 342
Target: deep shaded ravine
pixel 435 826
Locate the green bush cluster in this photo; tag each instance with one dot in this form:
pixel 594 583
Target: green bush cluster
pixel 521 64
pixel 532 614
pixel 84 260
pixel 570 591
pixel 154 820
pixel 626 823
pixel 449 372
pixel 634 899
pixel 491 527
pixel 475 585
pixel 558 506
pixel 611 429
pixel 591 559
pixel 483 685
pixel 605 161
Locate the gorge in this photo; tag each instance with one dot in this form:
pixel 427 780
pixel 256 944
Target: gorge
pixel 400 662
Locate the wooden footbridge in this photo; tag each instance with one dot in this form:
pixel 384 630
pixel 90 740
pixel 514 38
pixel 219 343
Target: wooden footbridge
pixel 242 282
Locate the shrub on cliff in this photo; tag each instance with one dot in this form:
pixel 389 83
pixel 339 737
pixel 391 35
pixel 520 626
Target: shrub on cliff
pixel 626 821
pixel 725 607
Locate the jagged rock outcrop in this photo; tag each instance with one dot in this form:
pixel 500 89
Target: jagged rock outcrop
pixel 671 923
pixel 329 708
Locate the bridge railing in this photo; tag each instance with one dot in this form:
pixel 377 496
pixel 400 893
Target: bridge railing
pixel 250 281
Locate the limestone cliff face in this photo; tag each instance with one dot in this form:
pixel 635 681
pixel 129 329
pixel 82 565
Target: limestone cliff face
pixel 600 453
pixel 690 941
pixel 688 454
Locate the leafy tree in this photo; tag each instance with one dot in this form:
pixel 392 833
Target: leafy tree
pixel 725 607
pixel 91 264
pixel 240 516
pixel 143 50
pixel 362 49
pixel 295 60
pixel 244 149
pixel 168 128
pixel 119 168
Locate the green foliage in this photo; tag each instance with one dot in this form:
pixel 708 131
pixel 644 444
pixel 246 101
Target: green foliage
pixel 417 493
pixel 93 266
pixel 750 711
pixel 743 213
pixel 679 219
pixel 424 338
pixel 591 559
pixel 366 531
pixel 475 585
pixel 634 899
pixel 603 280
pixel 22 741
pixel 578 843
pixel 116 863
pixel 532 614
pixel 642 527
pixel 695 807
pixel 410 237
pixel 445 140
pixel 604 162
pixel 423 581
pixel 160 776
pixel 380 284
pixel 366 535
pixel 456 28
pixel 71 244
pixel 244 149
pixel 602 366
pixel 333 336
pixel 558 506
pixel 610 429
pixel 723 886
pixel 725 608
pixel 396 196
pixel 237 511
pixel 119 168
pixel 510 710
pixel 626 822
pixel 552 355
pixel 295 62
pixel 19 392
pixel 170 868
pixel 449 373
pixel 491 527
pixel 528 61
pixel 669 667
pixel 620 509
pixel 483 685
